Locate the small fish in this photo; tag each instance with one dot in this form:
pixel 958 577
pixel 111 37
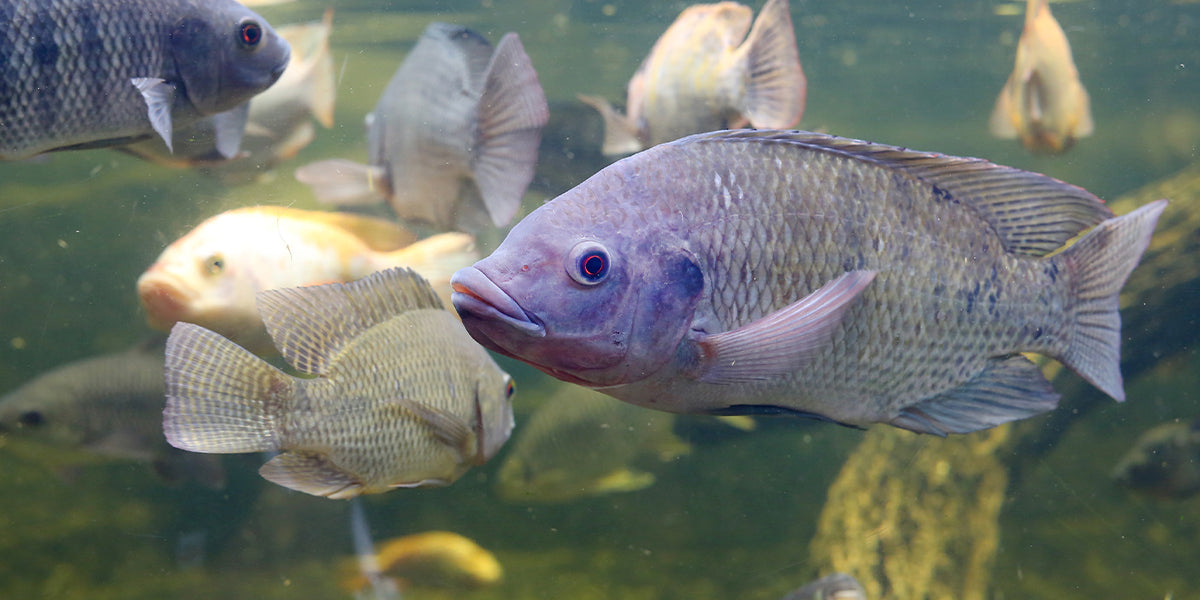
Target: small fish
pixel 280 121
pixel 454 137
pixel 1043 102
pixel 210 276
pixel 838 586
pixel 434 559
pixel 582 443
pixel 103 407
pixel 89 73
pixel 701 76
pixel 762 272
pixel 402 397
pixel 1164 462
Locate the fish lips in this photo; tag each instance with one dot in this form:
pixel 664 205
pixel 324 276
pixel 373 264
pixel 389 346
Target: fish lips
pixel 481 304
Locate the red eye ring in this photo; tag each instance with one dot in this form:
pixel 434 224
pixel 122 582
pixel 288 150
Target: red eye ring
pixel 250 34
pixel 593 265
pixel 588 263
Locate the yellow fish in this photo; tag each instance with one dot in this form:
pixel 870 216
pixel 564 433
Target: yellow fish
pixel 701 76
pixel 1043 102
pixel 210 276
pixel 439 559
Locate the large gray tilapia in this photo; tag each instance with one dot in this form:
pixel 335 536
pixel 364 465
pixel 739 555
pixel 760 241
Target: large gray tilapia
pixel 90 73
pixel 402 397
pixel 769 271
pixel 454 137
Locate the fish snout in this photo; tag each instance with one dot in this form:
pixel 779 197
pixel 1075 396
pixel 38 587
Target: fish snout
pixel 477 298
pixel 164 302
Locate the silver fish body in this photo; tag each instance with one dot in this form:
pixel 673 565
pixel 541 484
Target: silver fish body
pixel 743 272
pixel 88 73
pixel 403 397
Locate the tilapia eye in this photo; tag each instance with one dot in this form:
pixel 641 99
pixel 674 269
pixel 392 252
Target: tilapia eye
pixel 510 388
pixel 588 263
pixel 214 264
pixel 32 418
pixel 250 33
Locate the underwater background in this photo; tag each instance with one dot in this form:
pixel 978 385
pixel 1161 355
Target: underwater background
pixel 1025 511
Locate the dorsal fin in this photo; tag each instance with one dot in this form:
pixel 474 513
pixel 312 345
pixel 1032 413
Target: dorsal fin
pixel 1033 214
pixel 310 325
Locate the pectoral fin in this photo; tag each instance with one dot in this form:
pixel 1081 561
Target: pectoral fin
pixel 229 126
pixel 447 428
pixel 311 474
pixel 159 96
pixel 780 342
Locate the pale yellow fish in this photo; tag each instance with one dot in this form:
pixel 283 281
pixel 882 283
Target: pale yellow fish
pixel 705 74
pixel 436 559
pixel 1044 103
pixel 210 275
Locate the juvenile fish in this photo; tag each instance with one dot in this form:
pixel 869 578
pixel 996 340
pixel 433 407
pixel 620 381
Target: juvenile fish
pixel 91 73
pixel 767 272
pixel 1043 103
pixel 211 275
pixel 454 137
pixel 1164 462
pixel 402 397
pixel 837 586
pixel 433 559
pixel 706 74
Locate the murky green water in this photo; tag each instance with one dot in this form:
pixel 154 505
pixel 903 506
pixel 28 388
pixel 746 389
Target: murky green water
pixel 737 517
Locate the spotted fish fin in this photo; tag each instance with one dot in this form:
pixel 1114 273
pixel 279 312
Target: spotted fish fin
pixel 341 182
pixel 310 325
pixel 1010 388
pixel 512 112
pixel 447 428
pixel 780 342
pixel 1099 264
pixel 229 126
pixel 621 135
pixel 159 96
pixel 775 85
pixel 220 397
pixel 312 474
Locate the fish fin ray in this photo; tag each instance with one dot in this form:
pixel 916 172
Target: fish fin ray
pixel 775 86
pixel 512 112
pixel 341 182
pixel 228 127
pixel 1008 389
pixel 620 133
pixel 778 343
pixel 159 96
pixel 310 325
pixel 220 397
pixel 1100 263
pixel 446 427
pixel 310 473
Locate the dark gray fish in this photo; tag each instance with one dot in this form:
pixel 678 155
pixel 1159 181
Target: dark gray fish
pixel 91 73
pixel 105 407
pixel 838 586
pixel 454 137
pixel 1164 462
pixel 788 272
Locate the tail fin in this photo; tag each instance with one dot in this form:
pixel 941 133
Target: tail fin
pixel 621 135
pixel 1099 264
pixel 436 258
pixel 221 398
pixel 776 86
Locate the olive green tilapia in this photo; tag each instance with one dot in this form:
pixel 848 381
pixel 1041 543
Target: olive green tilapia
pixel 791 272
pixel 402 397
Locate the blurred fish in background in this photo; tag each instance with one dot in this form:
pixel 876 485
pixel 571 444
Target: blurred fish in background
pixel 706 74
pixel 1164 462
pixel 838 586
pixel 72 80
pixel 433 559
pixel 1043 103
pixel 582 443
pixel 454 138
pixel 280 122
pixel 210 276
pixel 107 407
pixel 402 398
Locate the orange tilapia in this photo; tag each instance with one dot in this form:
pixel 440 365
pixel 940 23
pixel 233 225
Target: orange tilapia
pixel 701 76
pixel 1043 103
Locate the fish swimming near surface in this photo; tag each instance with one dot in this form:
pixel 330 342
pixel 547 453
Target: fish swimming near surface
pixel 402 397
pixel 90 73
pixel 753 272
pixel 1043 103
pixel 211 275
pixel 1164 462
pixel 454 138
pixel 433 559
pixel 102 408
pixel 582 443
pixel 706 74
pixel 280 122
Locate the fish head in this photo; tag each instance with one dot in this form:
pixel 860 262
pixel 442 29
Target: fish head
pixel 494 401
pixel 585 298
pixel 46 418
pixel 224 54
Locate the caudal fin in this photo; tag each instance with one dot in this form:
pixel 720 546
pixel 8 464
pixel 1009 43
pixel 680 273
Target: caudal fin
pixel 1099 263
pixel 221 398
pixel 776 87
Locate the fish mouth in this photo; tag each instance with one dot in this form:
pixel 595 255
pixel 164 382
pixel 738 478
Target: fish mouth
pixel 164 300
pixel 477 296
